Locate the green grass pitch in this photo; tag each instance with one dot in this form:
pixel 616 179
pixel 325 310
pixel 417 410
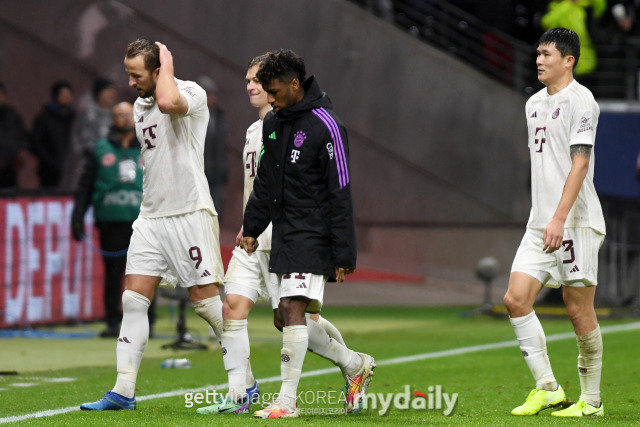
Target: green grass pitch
pixel 473 356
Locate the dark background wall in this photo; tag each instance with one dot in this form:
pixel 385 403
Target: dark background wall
pixel 439 159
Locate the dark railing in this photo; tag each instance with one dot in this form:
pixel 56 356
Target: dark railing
pixel 503 57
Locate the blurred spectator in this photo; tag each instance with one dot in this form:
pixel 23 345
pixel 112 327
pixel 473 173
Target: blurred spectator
pixel 14 142
pixel 215 146
pixel 93 122
pixel 574 15
pixel 111 181
pixel 624 12
pixel 52 134
pixel 623 15
pixel 95 119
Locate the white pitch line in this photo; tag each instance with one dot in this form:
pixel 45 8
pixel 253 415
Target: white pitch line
pixel 317 372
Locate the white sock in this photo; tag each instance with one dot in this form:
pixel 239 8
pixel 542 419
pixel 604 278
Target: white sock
pixel 249 378
pixel 330 329
pixel 210 309
pixel 590 366
pixel 323 345
pixel 533 345
pixel 134 335
pixel 235 354
pixel 295 340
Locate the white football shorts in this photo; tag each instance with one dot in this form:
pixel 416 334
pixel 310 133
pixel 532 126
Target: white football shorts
pixel 306 285
pixel 184 249
pixel 248 276
pixel 574 264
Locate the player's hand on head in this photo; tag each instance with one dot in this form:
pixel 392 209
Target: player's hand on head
pixel 165 55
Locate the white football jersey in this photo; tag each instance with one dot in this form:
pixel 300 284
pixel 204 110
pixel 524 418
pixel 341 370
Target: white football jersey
pixel 173 182
pixel 555 123
pixel 251 156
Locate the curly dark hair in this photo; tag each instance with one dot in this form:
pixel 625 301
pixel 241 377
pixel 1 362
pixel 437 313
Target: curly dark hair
pixel 148 50
pixel 281 64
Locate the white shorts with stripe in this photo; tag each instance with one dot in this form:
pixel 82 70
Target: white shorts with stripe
pixel 574 264
pixel 306 285
pixel 248 276
pixel 184 249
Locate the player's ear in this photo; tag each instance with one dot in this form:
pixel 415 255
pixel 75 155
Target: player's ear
pixel 571 61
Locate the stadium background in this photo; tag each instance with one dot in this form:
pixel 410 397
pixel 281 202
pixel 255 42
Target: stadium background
pixel 439 158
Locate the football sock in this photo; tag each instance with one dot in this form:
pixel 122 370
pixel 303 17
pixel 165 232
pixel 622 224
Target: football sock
pixel 250 379
pixel 134 335
pixel 323 345
pixel 330 329
pixel 590 366
pixel 235 354
pixel 533 345
pixel 295 341
pixel 210 309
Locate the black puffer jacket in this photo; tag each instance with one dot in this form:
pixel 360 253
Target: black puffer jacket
pixel 303 187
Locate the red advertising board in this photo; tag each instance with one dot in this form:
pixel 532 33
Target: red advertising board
pixel 46 276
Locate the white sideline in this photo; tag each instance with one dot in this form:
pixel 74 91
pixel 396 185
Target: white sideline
pixel 394 361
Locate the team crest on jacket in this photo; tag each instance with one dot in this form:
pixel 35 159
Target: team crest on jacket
pixel 109 159
pixel 555 114
pixel 299 138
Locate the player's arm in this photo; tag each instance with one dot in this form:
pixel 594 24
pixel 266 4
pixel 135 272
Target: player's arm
pixel 343 236
pixel 169 98
pixel 554 231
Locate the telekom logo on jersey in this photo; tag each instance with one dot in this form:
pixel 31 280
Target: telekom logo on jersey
pixel 149 131
pixel 542 139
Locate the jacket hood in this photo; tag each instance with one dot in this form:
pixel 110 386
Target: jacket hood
pixel 314 97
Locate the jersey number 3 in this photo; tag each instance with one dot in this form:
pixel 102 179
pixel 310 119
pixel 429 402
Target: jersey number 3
pixel 568 244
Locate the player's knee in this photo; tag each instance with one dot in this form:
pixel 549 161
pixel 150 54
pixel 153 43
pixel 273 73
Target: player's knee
pixel 575 310
pixel 277 319
pixel 516 305
pixel 509 301
pixel 227 310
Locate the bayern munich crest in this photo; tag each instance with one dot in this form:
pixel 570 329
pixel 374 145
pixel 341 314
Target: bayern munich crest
pixel 299 138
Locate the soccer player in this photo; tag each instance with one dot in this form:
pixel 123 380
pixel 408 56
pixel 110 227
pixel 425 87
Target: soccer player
pixel 302 187
pixel 248 281
pixel 176 236
pixel 565 229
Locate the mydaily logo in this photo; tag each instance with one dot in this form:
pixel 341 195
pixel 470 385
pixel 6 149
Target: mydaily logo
pixel 434 399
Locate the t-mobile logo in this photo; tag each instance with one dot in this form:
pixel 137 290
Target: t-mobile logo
pixel 294 155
